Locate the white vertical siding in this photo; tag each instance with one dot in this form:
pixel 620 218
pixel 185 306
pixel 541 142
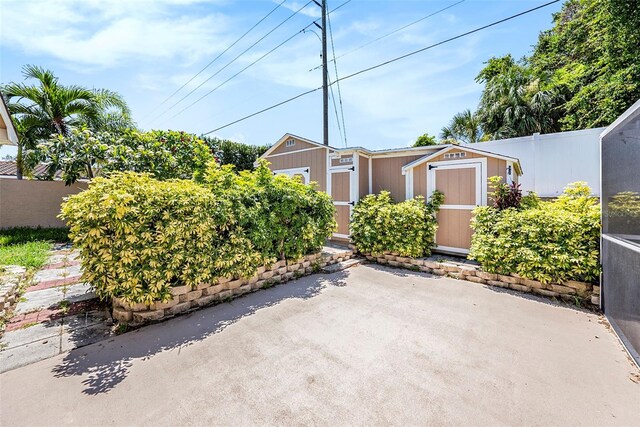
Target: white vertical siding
pixel 553 160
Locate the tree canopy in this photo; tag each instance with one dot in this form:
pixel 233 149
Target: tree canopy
pixel 242 156
pixel 583 73
pixel 425 140
pixel 49 108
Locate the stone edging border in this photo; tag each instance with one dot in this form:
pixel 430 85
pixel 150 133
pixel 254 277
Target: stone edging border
pixel 11 284
pixel 587 292
pixel 223 289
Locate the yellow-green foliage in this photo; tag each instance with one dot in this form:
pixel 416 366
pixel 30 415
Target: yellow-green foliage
pixel 378 224
pixel 138 236
pixel 283 217
pixel 550 241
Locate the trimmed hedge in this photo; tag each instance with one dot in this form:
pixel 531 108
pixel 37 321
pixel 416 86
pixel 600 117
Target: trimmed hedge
pixel 378 224
pixel 550 242
pixel 283 217
pixel 139 236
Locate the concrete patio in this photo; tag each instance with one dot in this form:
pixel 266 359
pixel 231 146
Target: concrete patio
pixel 367 345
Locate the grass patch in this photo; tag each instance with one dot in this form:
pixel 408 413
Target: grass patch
pixel 31 255
pixel 28 247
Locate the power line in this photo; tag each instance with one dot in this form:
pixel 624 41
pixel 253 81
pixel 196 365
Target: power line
pixel 394 31
pixel 252 63
pixel 233 60
pixel 335 108
pixel 335 66
pixel 217 57
pixel 300 95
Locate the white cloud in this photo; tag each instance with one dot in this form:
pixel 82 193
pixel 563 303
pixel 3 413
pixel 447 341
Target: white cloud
pixel 109 33
pixel 311 9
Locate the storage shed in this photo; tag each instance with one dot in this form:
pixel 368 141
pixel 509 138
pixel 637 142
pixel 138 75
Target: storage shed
pixel 348 174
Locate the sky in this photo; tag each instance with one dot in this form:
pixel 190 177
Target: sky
pixel 148 49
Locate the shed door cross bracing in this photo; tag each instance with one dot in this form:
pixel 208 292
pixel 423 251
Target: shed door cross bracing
pixel 463 183
pixel 343 190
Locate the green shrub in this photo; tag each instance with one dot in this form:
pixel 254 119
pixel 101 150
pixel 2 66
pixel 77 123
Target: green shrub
pixel 546 241
pixel 138 236
pixel 283 217
pixel 378 224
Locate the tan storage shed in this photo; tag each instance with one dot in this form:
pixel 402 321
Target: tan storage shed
pixel 348 174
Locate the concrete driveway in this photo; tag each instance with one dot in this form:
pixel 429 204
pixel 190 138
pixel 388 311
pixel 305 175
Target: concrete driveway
pixel 368 345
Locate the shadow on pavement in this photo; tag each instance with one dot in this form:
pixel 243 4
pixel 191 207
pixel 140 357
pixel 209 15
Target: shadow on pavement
pixel 108 363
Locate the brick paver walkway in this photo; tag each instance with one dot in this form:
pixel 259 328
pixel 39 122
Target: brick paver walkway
pixel 56 313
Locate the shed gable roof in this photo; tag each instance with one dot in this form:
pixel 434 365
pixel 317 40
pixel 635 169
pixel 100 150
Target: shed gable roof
pixel 429 157
pixel 287 136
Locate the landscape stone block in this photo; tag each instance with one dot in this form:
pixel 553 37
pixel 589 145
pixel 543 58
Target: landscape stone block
pixel 580 287
pixel 190 296
pixel 179 290
pixel 486 276
pixel 178 308
pixel 476 279
pixel 122 315
pixel 563 289
pixel 213 290
pixel 234 284
pixel 509 279
pixel 225 294
pixel 148 316
pixel 159 305
pixel 497 283
pixel 546 292
pixel 520 288
pixel 532 283
pixel 205 300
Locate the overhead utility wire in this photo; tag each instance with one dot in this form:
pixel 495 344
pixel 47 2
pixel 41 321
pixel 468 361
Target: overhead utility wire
pixel 394 31
pixel 335 66
pixel 335 108
pixel 216 58
pixel 300 95
pixel 233 60
pixel 252 63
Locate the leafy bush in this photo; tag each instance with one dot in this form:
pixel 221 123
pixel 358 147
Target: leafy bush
pixel 547 241
pixel 378 224
pixel 504 196
pixel 138 236
pixel 283 217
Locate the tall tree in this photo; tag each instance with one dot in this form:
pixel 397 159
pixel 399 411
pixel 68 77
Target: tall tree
pixel 592 54
pixel 425 140
pixel 242 156
pixel 47 107
pixel 514 102
pixel 464 127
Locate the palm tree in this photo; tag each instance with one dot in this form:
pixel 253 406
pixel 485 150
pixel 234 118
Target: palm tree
pixel 514 104
pixel 48 107
pixel 464 127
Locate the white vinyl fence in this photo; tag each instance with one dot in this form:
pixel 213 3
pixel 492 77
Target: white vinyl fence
pixel 553 160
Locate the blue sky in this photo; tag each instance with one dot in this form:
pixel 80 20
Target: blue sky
pixel 146 49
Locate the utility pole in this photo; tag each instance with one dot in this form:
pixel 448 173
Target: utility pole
pixel 325 76
pixel 325 72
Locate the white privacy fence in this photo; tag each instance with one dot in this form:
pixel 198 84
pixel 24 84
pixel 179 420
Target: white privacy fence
pixel 553 160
